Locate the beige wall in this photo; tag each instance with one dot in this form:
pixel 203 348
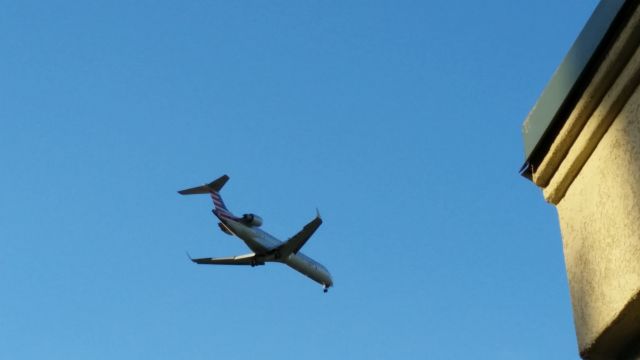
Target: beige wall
pixel 591 172
pixel 600 222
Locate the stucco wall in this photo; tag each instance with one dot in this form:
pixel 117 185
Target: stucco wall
pixel 600 224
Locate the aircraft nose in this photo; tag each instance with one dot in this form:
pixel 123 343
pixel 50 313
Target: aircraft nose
pixel 330 280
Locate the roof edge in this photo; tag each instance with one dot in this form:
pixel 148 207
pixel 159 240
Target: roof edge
pixel 568 82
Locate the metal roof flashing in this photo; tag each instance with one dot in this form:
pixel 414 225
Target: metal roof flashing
pixel 567 84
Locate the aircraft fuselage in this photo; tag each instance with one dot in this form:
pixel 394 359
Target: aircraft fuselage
pixel 262 243
pixel 265 247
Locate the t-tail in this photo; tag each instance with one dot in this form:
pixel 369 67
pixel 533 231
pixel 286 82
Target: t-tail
pixel 213 189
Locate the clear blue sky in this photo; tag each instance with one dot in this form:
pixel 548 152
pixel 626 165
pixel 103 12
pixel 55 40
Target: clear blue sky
pixel 399 120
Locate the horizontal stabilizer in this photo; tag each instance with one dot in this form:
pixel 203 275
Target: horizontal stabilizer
pixel 214 186
pixel 247 259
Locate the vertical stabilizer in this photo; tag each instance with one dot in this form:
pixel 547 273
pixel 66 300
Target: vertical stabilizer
pixel 213 189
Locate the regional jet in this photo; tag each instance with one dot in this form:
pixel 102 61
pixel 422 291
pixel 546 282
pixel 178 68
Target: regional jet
pixel 265 247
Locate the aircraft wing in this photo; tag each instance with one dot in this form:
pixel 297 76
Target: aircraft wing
pixel 294 244
pixel 247 259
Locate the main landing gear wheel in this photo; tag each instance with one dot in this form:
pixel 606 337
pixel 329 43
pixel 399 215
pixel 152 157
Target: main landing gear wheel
pixel 325 289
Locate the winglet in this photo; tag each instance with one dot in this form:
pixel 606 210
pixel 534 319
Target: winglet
pixel 214 186
pixel 189 256
pixel 318 213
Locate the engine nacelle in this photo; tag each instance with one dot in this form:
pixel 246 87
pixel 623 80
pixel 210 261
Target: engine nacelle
pixel 252 220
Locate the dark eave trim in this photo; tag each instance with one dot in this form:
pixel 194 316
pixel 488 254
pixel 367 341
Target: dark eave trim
pixel 571 78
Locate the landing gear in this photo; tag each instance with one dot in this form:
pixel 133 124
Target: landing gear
pixel 325 289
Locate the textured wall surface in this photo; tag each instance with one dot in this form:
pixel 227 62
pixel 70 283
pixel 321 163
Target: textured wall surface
pixel 600 222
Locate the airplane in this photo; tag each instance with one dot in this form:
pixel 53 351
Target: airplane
pixel 264 246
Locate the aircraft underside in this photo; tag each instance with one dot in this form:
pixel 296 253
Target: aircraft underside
pixel 265 247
